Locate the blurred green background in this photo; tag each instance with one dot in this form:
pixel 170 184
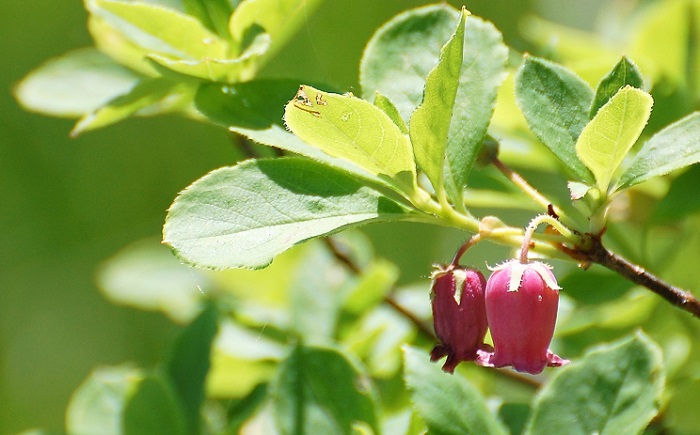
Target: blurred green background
pixel 66 205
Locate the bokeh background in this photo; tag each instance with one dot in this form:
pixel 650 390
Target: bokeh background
pixel 67 205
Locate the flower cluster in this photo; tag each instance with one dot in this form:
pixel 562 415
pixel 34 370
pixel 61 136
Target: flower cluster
pixel 518 303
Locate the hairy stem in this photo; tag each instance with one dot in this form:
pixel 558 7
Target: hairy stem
pixel 597 253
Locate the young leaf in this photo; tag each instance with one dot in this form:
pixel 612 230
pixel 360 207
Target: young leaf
pixel 350 128
pixel 244 216
pixel 154 410
pixel 401 54
pixel 320 391
pixel 674 147
pixel 430 123
pixel 607 139
pixel 74 84
pixel 97 406
pixel 615 389
pixel 482 73
pixel 448 404
pixel 555 103
pixel 149 96
pixel 625 73
pixel 160 30
pixel 391 111
pixel 189 362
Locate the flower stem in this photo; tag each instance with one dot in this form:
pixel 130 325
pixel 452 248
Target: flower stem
pixel 532 226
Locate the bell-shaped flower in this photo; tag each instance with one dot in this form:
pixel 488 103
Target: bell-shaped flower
pixel 521 307
pixel 459 316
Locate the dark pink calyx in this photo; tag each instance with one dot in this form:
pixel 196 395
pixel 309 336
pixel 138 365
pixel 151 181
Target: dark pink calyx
pixel 459 315
pixel 521 307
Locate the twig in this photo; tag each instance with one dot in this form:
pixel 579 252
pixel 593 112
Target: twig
pixel 597 253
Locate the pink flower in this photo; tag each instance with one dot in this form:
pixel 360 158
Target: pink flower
pixel 521 306
pixel 459 316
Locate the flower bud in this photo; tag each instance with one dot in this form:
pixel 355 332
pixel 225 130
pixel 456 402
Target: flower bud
pixel 459 315
pixel 521 307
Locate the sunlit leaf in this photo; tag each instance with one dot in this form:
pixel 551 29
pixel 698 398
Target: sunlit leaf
pixel 609 136
pixel 160 30
pixel 614 389
pixel 320 391
pixel 448 404
pixel 243 216
pixel 625 73
pixel 76 83
pixel 430 123
pixel 674 147
pixel 350 128
pixel 556 104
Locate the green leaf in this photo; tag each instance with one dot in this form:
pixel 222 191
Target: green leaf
pixel 556 104
pixel 350 128
pixel 674 147
pixel 189 362
pixel 624 73
pixel 154 410
pixel 482 73
pixel 75 83
pixel 145 275
pixel 614 389
pixel 243 216
pixel 430 123
pixel 278 18
pixel 160 30
pixel 148 97
pixel 97 405
pixel 609 136
pixel 448 404
pixel 391 111
pixel 402 53
pixel 214 14
pixel 320 391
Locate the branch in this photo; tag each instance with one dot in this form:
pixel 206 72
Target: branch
pixel 597 253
